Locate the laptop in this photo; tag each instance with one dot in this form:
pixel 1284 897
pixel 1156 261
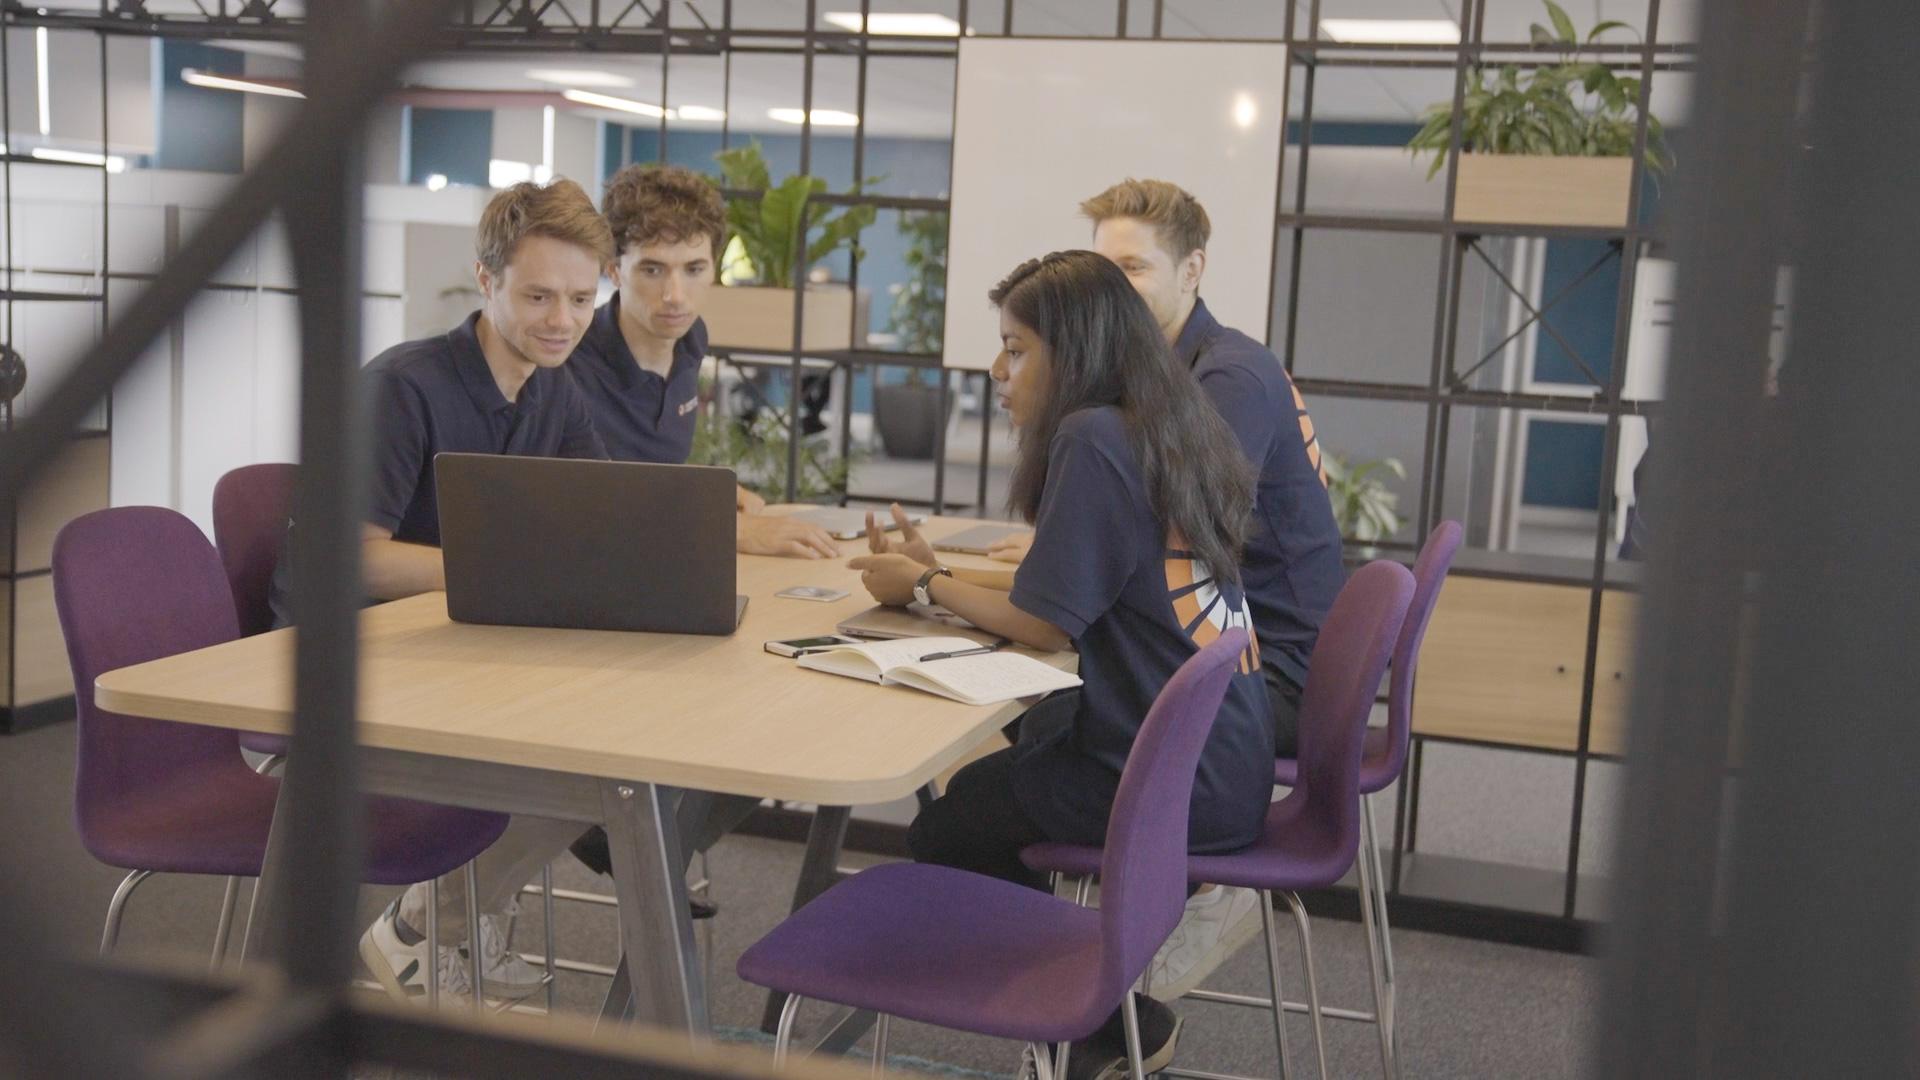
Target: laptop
pixel 588 545
pixel 976 540
pixel 844 524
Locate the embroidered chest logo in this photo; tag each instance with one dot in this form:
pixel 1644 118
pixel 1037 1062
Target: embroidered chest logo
pixel 1200 606
pixel 688 405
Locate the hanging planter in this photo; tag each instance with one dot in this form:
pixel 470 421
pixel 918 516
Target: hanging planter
pixel 1534 154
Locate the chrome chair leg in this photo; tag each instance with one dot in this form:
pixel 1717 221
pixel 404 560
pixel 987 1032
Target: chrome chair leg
pixel 224 930
pixel 1382 1002
pixel 1060 1066
pixel 473 939
pixel 433 935
pixel 117 907
pixel 1271 929
pixel 1313 981
pixel 880 1045
pixel 546 918
pixel 1379 886
pixel 783 1034
pixel 1130 1018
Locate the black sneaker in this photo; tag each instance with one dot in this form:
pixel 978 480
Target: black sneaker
pixel 591 850
pixel 1103 1054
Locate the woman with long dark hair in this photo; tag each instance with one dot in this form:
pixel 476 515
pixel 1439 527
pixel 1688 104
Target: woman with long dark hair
pixel 1139 496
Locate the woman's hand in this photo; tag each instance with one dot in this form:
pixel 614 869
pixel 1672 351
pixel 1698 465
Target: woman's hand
pixel 890 578
pixel 911 543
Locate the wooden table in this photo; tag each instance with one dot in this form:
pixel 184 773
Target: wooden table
pixel 604 728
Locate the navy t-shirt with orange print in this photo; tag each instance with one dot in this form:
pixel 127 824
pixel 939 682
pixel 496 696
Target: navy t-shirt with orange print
pixel 1137 606
pixel 1291 566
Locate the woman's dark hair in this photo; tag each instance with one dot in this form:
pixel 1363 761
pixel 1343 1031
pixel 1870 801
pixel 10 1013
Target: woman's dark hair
pixel 1107 349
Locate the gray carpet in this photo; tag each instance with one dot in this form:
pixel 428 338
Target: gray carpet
pixel 1467 1009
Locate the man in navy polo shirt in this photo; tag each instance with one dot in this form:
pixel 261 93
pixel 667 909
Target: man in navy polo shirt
pixel 492 385
pixel 1291 568
pixel 639 363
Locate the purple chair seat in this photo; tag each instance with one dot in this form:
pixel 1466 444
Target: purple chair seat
pixel 1013 962
pixel 947 947
pixel 137 583
pixel 1296 850
pixel 213 819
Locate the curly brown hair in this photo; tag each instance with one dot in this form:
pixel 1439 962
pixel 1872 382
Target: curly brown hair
pixel 648 203
pixel 561 210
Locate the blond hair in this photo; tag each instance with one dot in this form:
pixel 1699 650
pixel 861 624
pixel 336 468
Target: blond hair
pixel 1178 217
pixel 560 210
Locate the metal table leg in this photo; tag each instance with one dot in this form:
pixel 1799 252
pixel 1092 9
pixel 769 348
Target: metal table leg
pixel 656 932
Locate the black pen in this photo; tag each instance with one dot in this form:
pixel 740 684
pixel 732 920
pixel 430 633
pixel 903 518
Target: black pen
pixel 959 652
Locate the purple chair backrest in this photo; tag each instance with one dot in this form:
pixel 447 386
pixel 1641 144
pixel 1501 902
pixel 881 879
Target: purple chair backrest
pixel 1143 873
pixel 1429 573
pixel 251 505
pixel 1356 641
pixel 133 584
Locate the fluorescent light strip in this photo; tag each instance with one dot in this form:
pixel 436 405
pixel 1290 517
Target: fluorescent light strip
pixel 114 163
pixel 545 172
pixel 902 24
pixel 209 81
pixel 1393 31
pixel 46 99
pixel 617 104
pixel 699 112
pixel 821 117
pixel 579 77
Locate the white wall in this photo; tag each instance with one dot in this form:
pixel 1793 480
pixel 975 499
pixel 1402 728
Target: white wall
pixel 220 389
pixel 1041 125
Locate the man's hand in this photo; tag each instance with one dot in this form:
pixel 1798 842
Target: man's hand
pixel 771 534
pixel 911 543
pixel 746 501
pixel 1011 549
pixel 890 578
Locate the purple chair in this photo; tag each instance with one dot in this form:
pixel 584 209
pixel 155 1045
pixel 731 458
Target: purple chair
pixel 975 953
pixel 1385 754
pixel 251 506
pixel 133 584
pixel 1312 836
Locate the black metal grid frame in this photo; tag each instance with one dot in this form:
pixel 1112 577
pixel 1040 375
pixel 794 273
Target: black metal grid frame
pixel 627 26
pixel 1700 975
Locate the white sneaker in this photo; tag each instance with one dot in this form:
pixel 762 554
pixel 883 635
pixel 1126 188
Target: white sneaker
pixel 1217 922
pixel 400 966
pixel 503 975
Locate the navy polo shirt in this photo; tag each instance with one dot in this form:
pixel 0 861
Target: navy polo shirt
pixel 1291 566
pixel 437 395
pixel 1137 605
pixel 639 415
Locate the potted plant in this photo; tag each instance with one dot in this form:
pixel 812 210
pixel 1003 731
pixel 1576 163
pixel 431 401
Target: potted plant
pixel 755 448
pixel 1533 154
pixel 766 238
pixel 1362 505
pixel 908 415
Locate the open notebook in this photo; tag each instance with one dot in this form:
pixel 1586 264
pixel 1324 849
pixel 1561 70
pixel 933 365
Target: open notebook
pixel 979 679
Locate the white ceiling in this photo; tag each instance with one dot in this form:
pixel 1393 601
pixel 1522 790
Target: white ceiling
pixel 913 96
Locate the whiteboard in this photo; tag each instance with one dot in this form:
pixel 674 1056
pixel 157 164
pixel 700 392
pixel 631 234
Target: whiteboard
pixel 1042 124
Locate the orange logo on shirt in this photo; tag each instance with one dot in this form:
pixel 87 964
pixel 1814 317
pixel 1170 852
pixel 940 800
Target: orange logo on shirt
pixel 1200 607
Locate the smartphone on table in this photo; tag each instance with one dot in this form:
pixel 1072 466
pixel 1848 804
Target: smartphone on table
pixel 805 645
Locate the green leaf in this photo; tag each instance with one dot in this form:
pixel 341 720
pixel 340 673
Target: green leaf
pixel 1541 35
pixel 1610 24
pixel 1562 25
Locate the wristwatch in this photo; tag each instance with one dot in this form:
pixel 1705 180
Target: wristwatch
pixel 920 593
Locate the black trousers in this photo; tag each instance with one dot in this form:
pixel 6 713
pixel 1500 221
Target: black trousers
pixel 1283 696
pixel 977 824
